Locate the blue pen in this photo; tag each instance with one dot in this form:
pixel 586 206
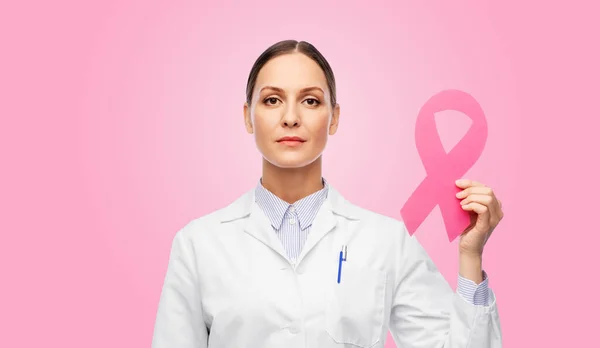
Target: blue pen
pixel 343 256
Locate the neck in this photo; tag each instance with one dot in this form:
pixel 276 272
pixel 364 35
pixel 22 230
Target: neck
pixel 292 184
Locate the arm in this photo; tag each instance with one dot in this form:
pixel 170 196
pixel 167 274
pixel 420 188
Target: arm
pixel 179 320
pixel 427 313
pixel 472 280
pixel 476 294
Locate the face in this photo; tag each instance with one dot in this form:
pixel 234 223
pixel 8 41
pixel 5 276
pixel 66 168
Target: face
pixel 290 114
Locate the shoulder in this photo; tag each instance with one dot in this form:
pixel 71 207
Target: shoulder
pixel 371 217
pixel 375 223
pixel 212 222
pixel 392 236
pixel 367 219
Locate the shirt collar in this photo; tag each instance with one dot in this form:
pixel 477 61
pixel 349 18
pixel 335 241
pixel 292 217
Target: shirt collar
pixel 275 208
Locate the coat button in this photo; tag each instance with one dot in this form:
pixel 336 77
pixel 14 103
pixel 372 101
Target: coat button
pixel 294 329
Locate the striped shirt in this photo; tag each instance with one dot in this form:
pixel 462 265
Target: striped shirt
pixel 292 223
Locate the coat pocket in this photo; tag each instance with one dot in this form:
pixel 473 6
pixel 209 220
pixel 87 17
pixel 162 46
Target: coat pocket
pixel 356 306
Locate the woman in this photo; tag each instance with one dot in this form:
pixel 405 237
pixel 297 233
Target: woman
pixel 293 264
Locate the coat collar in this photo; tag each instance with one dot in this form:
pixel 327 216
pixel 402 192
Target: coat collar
pixel 335 202
pixel 256 224
pixel 275 208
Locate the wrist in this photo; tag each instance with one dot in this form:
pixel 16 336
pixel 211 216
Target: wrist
pixel 470 267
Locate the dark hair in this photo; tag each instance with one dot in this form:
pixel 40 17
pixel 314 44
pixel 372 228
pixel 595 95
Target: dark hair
pixel 290 46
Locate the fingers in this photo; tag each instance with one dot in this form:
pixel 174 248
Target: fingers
pixel 464 183
pixel 482 210
pixel 490 202
pixel 486 200
pixel 475 190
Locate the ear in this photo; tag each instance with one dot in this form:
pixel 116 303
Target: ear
pixel 335 120
pixel 248 119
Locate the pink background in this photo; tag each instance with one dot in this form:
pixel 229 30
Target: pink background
pixel 122 121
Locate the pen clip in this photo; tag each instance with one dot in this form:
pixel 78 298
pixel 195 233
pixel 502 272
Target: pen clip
pixel 343 257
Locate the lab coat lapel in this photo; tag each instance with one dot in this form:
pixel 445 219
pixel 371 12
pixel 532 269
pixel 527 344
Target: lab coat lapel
pixel 324 222
pixel 259 226
pixel 254 221
pixel 327 219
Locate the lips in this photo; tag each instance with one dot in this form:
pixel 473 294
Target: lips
pixel 298 139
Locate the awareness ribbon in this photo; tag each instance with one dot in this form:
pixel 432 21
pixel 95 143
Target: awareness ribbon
pixel 443 169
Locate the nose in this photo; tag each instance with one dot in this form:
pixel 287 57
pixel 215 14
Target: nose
pixel 290 117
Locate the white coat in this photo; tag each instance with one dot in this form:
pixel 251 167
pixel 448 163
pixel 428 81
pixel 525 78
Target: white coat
pixel 229 284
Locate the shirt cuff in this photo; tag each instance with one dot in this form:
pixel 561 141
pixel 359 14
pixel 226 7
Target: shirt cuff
pixel 477 295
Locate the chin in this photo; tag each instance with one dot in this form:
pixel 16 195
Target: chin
pixel 292 160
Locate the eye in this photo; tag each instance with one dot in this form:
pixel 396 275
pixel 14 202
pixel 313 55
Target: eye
pixel 271 101
pixel 312 101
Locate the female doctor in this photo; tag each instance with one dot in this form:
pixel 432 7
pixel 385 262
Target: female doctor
pixel 292 264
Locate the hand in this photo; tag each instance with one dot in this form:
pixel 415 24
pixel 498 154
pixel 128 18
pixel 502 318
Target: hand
pixel 486 213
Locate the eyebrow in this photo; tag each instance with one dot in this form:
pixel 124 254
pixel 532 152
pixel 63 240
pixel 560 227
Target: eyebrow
pixel 303 90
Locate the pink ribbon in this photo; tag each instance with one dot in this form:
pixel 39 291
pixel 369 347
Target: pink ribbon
pixel 442 168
